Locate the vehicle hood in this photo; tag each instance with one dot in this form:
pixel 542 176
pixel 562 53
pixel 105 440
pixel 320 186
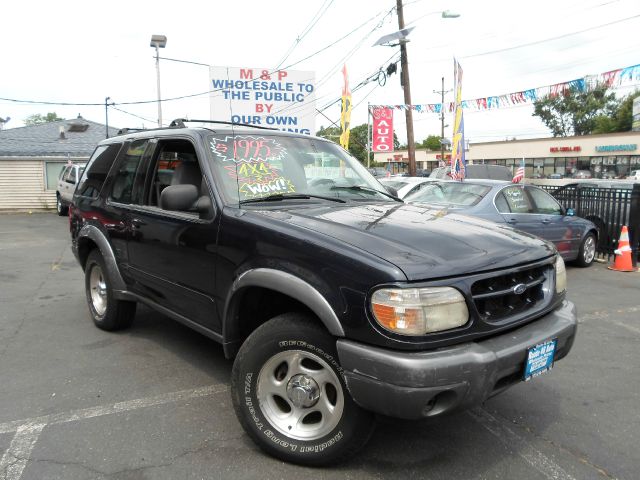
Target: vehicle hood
pixel 424 243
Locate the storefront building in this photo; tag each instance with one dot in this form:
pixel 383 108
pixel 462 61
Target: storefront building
pixel 611 155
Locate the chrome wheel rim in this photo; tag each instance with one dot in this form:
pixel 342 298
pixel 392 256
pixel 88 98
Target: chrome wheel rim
pixel 300 395
pixel 589 251
pixel 98 290
pixel 59 205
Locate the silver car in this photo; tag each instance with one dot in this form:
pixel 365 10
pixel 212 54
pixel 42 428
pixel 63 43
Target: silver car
pixel 524 207
pixel 67 181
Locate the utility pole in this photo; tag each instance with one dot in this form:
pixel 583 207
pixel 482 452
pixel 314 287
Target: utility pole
pixel 442 91
pixel 404 63
pixel 106 115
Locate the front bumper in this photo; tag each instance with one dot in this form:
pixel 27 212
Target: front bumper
pixel 425 384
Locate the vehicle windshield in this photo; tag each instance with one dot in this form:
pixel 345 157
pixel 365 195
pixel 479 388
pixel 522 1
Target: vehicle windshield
pixel 250 168
pixel 456 194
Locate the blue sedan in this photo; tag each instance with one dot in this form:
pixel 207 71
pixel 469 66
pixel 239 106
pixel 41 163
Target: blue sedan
pixel 524 207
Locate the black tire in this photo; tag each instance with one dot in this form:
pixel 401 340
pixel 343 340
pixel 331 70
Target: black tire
pixel 587 251
pixel 107 312
pixel 62 209
pixel 281 356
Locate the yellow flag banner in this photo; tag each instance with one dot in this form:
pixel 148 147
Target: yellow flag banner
pixel 457 144
pixel 345 114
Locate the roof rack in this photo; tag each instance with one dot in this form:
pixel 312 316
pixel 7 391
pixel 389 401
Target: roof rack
pixel 124 131
pixel 180 123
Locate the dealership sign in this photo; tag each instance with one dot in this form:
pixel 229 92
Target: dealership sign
pixel 282 99
pixel 382 129
pixel 617 148
pixel 565 149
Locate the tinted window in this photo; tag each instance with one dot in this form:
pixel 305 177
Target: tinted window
pixel 123 179
pixel 96 170
pixel 543 202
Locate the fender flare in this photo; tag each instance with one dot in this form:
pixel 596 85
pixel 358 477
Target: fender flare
pixel 95 234
pixel 287 284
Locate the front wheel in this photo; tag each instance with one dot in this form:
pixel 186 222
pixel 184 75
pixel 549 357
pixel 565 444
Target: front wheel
pixel 290 395
pixel 587 251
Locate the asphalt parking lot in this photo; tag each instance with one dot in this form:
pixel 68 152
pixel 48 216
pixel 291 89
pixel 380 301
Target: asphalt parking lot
pixel 153 401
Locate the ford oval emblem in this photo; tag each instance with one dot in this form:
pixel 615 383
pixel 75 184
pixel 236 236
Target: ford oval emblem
pixel 519 289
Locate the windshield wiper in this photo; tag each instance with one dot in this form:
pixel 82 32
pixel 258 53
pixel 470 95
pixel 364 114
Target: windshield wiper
pixel 363 188
pixel 286 196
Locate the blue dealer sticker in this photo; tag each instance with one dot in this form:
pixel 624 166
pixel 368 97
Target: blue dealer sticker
pixel 540 359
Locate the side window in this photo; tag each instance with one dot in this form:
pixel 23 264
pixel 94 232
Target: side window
pixel 71 177
pixel 63 173
pixel 123 179
pixel 517 200
pixel 95 173
pixel 543 202
pixel 501 203
pixel 176 164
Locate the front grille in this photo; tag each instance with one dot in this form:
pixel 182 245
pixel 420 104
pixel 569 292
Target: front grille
pixel 512 295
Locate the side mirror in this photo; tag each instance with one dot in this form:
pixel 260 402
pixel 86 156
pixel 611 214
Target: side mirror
pixel 178 197
pixel 570 212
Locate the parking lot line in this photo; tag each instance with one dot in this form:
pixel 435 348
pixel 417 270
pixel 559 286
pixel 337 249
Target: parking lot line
pixel 522 447
pixel 119 407
pixel 15 458
pixel 28 430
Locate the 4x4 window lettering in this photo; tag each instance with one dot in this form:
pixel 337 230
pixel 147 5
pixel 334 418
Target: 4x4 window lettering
pixel 95 173
pixel 124 177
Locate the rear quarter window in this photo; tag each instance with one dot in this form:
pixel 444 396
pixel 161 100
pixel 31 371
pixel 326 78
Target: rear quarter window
pixel 95 173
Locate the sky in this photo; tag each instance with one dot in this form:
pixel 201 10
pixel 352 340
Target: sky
pixel 80 53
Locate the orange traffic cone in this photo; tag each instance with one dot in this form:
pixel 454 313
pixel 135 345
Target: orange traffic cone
pixel 623 261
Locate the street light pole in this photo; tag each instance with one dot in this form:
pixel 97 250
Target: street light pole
pixel 158 41
pixel 404 63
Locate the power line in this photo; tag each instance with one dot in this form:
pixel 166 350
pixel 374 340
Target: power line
pixel 337 41
pixel 132 114
pixel 537 42
pixel 307 29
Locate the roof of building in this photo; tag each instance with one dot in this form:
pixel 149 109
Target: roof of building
pixel 76 137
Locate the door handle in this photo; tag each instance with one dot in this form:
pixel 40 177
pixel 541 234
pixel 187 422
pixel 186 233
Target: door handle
pixel 511 221
pixel 546 221
pixel 136 222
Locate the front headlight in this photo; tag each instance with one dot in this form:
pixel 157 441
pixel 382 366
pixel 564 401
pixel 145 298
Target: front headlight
pixel 561 275
pixel 418 311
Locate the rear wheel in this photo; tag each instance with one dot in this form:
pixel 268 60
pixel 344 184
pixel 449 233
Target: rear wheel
pixel 107 312
pixel 587 252
pixel 290 395
pixel 60 207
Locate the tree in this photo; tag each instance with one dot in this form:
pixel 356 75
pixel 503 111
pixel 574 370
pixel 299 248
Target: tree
pixel 621 120
pixel 575 111
pixel 37 119
pixel 432 142
pixel 357 139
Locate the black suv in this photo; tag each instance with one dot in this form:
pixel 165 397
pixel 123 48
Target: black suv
pixel 336 299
